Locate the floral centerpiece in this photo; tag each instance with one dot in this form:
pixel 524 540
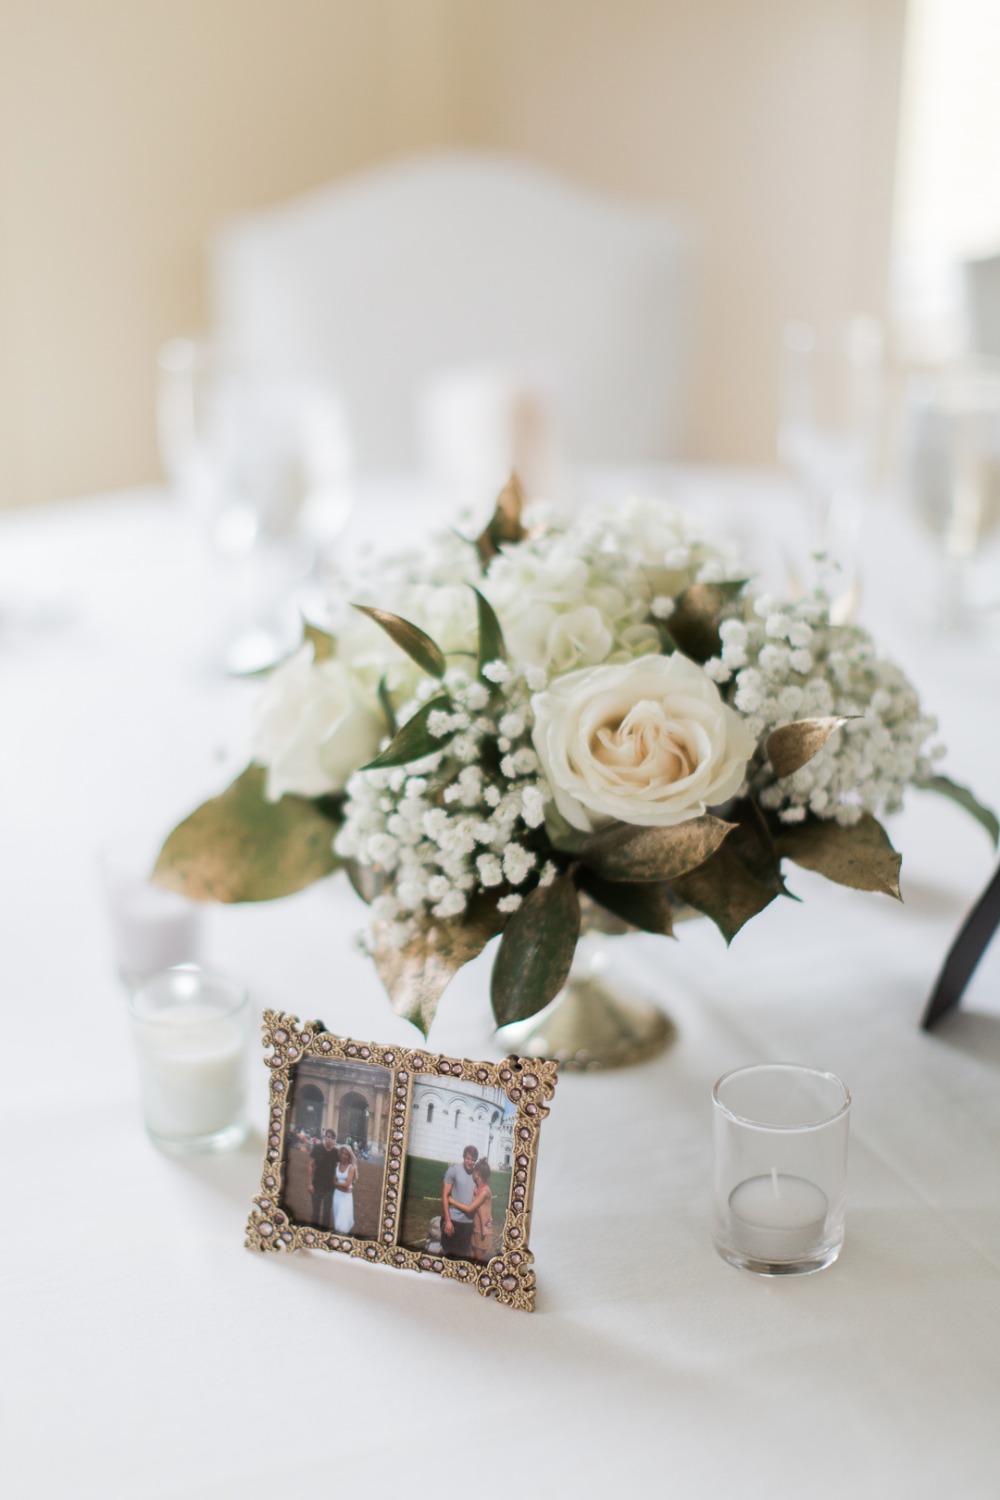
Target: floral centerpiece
pixel 596 715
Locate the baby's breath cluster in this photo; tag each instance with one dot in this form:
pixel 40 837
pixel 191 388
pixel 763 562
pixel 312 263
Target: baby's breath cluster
pixel 460 820
pixel 784 661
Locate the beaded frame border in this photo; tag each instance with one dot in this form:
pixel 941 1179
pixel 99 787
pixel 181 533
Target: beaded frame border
pixel 529 1084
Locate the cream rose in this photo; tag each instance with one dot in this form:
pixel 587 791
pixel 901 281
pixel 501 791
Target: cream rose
pixel 649 741
pixel 313 727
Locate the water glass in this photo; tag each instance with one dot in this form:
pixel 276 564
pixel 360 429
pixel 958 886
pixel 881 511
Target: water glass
pixel 780 1137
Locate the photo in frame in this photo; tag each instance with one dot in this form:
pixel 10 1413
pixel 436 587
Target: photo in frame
pixel 401 1157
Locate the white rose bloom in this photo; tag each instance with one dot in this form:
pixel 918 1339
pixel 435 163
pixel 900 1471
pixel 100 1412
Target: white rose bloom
pixel 313 727
pixel 648 741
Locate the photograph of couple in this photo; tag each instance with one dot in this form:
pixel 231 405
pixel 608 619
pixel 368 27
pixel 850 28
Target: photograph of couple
pixel 336 1146
pixel 458 1169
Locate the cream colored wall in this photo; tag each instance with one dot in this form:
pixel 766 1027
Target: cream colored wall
pixel 129 128
pixel 772 121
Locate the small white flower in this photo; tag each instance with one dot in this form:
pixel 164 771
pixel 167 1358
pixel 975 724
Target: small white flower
pixel 451 905
pixel 511 725
pixel 438 723
pixel 548 873
pixel 517 861
pixel 662 607
pixel 490 870
pixel 497 671
pixel 509 903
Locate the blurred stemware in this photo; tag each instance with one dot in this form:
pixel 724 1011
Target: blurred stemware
pixel 261 462
pixel 951 460
pixel 830 407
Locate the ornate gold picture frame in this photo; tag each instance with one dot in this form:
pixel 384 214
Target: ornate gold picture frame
pixel 402 1123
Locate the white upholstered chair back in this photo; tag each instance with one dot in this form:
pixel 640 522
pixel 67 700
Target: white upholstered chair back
pixel 384 282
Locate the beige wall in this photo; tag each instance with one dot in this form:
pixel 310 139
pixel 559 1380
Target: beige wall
pixel 129 128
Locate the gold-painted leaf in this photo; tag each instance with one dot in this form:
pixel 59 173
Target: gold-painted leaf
pixel 859 856
pixel 323 643
pixel 414 740
pixel 417 976
pixel 753 844
pixel 694 624
pixel 627 851
pixel 240 847
pixel 791 746
pixel 491 643
pixel 536 951
pixel 409 638
pixel 965 798
pixel 646 905
pixel 724 889
pixel 505 523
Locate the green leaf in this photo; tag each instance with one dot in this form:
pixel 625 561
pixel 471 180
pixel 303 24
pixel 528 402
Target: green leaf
pixel 387 708
pixel 667 643
pixel 859 856
pixel 694 624
pixel 491 643
pixel 409 638
pixel 645 905
pixel 791 746
pixel 417 976
pixel 630 852
pixel 414 740
pixel 323 643
pixel 505 523
pixel 536 951
pixel 753 844
pixel 724 889
pixel 962 795
pixel 240 847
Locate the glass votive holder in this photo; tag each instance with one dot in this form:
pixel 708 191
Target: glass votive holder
pixel 151 928
pixel 190 1034
pixel 780 1168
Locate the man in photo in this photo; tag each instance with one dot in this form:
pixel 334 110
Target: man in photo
pixel 460 1186
pixel 322 1178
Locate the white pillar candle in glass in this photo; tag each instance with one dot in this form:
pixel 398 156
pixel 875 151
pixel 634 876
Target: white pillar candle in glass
pixel 151 929
pixel 189 1029
pixel 780 1168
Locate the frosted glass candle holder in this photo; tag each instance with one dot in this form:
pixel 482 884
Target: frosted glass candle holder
pixel 780 1136
pixel 151 929
pixel 190 1034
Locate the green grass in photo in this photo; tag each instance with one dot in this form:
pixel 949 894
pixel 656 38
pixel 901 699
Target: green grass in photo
pixel 422 1199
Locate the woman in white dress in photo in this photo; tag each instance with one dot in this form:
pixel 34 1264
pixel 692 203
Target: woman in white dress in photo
pixel 343 1192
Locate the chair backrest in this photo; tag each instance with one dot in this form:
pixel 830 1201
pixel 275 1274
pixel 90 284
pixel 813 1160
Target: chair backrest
pixel 383 282
pixel 982 304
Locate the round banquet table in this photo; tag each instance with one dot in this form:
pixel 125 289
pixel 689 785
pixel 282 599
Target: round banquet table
pixel 146 1353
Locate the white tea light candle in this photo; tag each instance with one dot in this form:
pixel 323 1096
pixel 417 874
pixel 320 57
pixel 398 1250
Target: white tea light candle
pixel 189 1029
pixel 777 1217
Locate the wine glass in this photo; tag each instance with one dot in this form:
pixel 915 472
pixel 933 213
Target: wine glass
pixel 262 463
pixel 951 461
pixel 830 407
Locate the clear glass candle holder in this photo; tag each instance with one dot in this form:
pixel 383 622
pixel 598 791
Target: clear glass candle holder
pixel 190 1034
pixel 780 1168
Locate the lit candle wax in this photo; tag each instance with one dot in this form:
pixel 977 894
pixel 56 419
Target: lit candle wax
pixel 777 1217
pixel 191 1066
pixel 153 929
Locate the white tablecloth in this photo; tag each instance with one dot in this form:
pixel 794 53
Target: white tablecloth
pixel 147 1354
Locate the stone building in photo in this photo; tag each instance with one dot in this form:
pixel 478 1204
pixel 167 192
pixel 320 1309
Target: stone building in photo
pixel 350 1098
pixel 449 1114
